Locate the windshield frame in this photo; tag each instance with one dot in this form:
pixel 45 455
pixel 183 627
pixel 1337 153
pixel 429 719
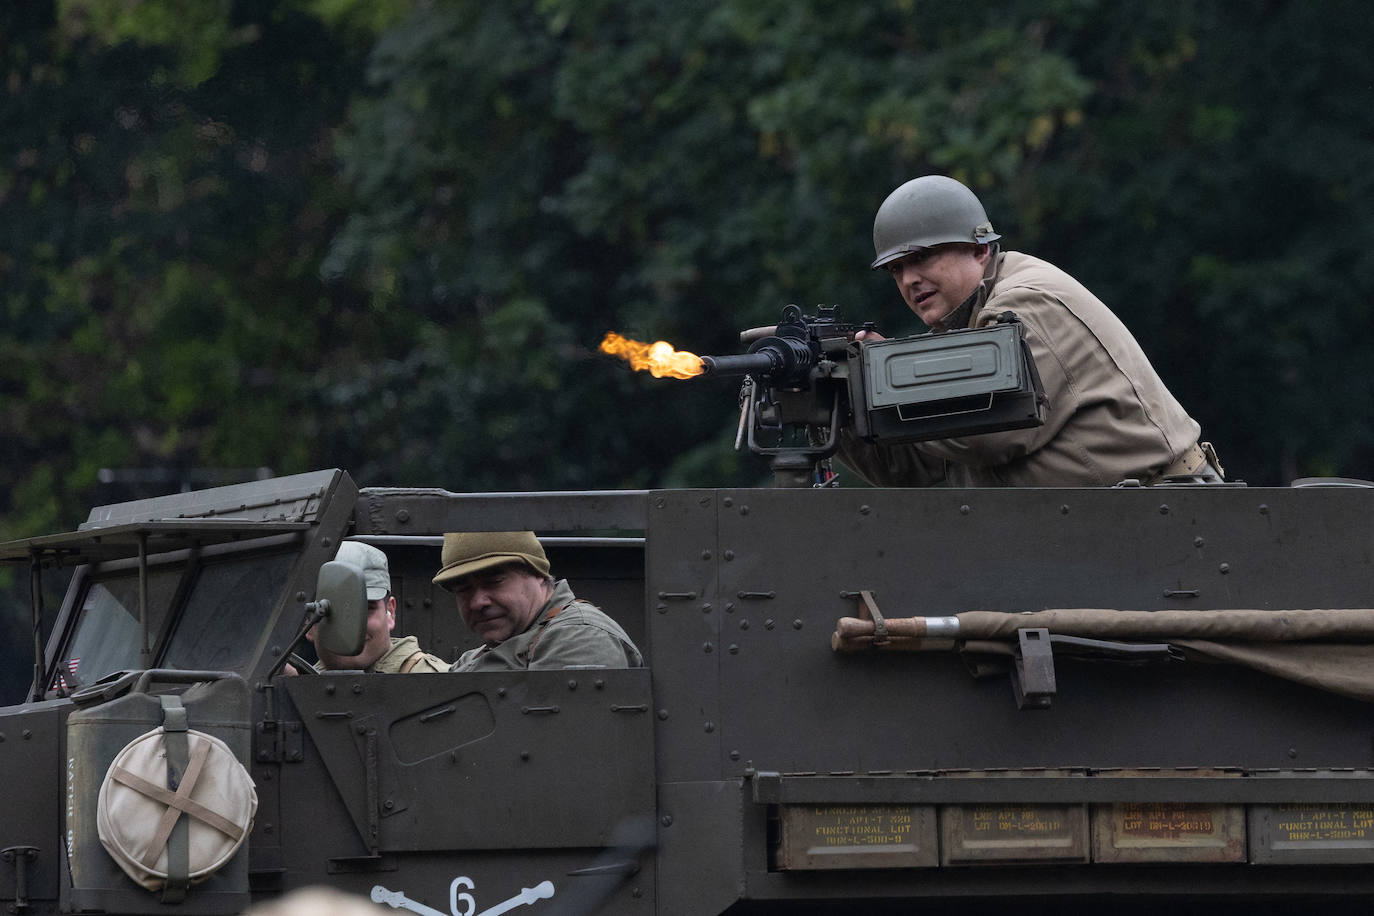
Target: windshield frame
pixel 192 562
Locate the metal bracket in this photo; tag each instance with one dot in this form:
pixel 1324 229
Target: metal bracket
pixel 20 856
pixel 280 742
pixel 869 608
pixel 1032 675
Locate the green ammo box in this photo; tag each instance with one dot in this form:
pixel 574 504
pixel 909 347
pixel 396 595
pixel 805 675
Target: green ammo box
pixel 937 386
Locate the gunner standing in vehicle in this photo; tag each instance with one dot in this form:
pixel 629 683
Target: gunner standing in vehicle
pixel 524 617
pixel 382 653
pixel 1109 416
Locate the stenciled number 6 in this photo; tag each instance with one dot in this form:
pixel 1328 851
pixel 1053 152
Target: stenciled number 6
pixel 453 897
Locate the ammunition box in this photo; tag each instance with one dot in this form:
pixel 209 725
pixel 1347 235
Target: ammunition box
pixel 935 386
pixel 856 836
pixel 1312 834
pixel 1007 834
pixel 1169 831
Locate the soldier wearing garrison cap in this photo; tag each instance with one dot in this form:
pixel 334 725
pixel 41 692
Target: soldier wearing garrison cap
pixel 1109 415
pixel 524 617
pixel 381 653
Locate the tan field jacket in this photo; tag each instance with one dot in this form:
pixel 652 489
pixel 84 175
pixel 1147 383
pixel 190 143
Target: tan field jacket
pixel 1109 416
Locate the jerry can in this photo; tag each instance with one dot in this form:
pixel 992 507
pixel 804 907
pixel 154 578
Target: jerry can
pixel 159 803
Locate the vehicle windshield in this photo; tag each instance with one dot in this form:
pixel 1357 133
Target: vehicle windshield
pixel 106 637
pixel 222 620
pixel 227 613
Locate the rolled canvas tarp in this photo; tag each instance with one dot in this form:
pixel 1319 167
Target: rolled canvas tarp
pixel 1331 649
pixel 1249 625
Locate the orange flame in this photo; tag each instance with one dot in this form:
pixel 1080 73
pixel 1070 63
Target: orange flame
pixel 659 357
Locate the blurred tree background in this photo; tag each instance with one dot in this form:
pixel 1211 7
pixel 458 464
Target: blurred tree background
pixel 387 235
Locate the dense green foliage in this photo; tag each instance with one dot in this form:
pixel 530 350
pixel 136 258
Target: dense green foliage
pixel 388 236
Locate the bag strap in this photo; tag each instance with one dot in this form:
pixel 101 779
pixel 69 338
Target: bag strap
pixel 542 626
pixel 178 801
pixel 176 832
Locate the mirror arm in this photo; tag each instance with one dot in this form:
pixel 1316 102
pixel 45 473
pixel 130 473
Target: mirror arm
pixel 319 610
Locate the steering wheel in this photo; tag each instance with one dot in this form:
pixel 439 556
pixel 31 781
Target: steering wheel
pixel 301 665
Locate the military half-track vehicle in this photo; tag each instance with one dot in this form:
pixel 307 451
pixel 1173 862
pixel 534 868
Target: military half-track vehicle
pixel 819 725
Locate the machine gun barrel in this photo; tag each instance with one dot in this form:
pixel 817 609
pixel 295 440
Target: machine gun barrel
pixel 762 364
pixel 773 358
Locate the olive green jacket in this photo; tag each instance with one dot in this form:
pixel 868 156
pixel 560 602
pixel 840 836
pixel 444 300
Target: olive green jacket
pixel 566 633
pixel 1109 415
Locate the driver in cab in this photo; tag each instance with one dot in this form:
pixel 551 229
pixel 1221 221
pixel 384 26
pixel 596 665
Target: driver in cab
pixel 382 653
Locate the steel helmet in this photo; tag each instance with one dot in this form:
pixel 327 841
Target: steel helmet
pixel 926 211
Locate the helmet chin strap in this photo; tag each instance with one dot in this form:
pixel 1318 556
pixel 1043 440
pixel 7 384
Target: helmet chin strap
pixel 959 318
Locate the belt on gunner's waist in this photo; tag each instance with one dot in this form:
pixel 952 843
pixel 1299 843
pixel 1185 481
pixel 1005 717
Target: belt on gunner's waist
pixel 1197 460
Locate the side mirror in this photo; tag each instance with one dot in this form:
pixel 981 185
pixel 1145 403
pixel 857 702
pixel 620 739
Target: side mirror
pixel 341 594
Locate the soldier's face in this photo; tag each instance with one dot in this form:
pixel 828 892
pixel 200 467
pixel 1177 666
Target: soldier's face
pixel 381 620
pixel 496 604
pixel 936 281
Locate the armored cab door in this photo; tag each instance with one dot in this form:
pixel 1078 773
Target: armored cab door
pixel 483 784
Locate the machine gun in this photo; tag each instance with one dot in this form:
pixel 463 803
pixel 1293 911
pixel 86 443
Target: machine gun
pixel 794 395
pixel 808 376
